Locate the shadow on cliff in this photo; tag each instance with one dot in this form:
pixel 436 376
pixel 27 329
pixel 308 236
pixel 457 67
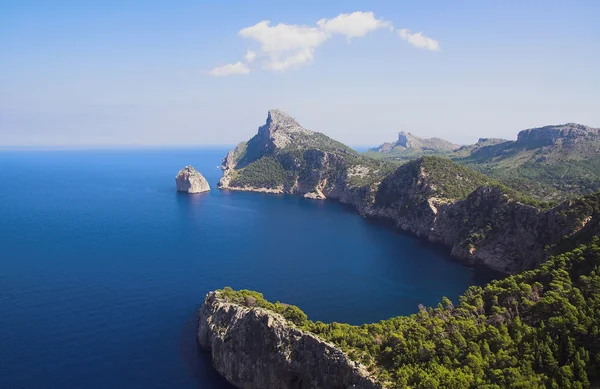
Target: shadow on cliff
pixel 198 361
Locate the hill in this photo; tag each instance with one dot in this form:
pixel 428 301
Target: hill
pixel 284 157
pixel 480 220
pixel 537 329
pixel 550 163
pixel 409 146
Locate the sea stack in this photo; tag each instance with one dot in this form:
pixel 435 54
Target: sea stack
pixel 191 181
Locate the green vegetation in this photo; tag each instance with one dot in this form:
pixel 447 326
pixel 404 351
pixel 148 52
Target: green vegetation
pixel 404 155
pixel 547 181
pixel 281 168
pixel 544 171
pixel 445 179
pixel 265 172
pixel 253 299
pixel 537 329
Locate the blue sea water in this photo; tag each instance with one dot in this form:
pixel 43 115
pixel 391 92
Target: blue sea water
pixel 103 265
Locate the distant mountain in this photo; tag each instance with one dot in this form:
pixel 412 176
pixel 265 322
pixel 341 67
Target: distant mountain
pixel 408 142
pixel 550 163
pixel 481 220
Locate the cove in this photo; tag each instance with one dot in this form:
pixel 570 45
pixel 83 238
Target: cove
pixel 103 265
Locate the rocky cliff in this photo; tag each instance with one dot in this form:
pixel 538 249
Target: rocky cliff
pixel 284 157
pixel 554 135
pixel 191 181
pixel 481 222
pixel 254 348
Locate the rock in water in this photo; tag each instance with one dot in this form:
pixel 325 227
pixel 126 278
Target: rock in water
pixel 191 181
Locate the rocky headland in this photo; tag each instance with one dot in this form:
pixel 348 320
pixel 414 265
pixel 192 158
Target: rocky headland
pixel 481 221
pixel 502 335
pixel 190 180
pixel 256 348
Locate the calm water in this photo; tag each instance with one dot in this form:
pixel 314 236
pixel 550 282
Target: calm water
pixel 103 266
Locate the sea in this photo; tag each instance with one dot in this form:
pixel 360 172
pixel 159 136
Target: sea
pixel 103 265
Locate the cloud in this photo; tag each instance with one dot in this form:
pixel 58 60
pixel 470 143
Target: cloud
pixel 286 46
pixel 230 69
pixel 250 56
pixel 356 24
pixel 419 40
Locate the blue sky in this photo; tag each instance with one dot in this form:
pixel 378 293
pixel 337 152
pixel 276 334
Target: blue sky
pixel 107 72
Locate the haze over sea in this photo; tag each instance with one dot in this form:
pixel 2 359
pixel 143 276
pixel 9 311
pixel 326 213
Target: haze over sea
pixel 103 265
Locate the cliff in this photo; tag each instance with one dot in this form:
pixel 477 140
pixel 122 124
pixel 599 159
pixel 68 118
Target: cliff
pixel 479 220
pixel 284 157
pixel 191 180
pixel 536 329
pixel 255 348
pixel 554 135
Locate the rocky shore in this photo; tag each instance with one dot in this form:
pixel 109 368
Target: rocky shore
pixel 254 348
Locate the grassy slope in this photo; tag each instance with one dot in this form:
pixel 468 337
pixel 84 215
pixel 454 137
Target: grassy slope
pixel 444 178
pixel 546 173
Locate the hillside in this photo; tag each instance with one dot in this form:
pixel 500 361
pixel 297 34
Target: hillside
pixel 537 329
pixel 480 220
pixel 284 157
pixel 549 163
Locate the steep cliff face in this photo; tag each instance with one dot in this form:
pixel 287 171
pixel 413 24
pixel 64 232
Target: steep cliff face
pixel 432 197
pixel 191 181
pixel 254 348
pixel 284 157
pixel 486 228
pixel 555 135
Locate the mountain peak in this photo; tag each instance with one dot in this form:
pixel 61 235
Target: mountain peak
pixel 406 140
pixel 281 119
pixel 556 134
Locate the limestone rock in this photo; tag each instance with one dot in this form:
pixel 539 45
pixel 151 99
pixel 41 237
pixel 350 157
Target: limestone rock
pixel 191 181
pixel 254 348
pixel 556 134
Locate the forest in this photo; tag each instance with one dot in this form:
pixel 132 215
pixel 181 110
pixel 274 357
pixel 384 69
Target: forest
pixel 536 329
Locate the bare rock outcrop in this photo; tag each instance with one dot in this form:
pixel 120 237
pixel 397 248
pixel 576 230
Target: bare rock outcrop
pixel 191 181
pixel 254 348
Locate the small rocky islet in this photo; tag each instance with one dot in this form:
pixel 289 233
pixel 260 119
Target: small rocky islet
pixel 190 180
pixel 531 329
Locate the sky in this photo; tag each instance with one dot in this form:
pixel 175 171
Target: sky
pixel 163 73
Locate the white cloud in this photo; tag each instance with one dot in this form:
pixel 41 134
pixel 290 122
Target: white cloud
pixel 250 56
pixel 302 57
pixel 419 40
pixel 355 24
pixel 284 37
pixel 230 69
pixel 285 46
